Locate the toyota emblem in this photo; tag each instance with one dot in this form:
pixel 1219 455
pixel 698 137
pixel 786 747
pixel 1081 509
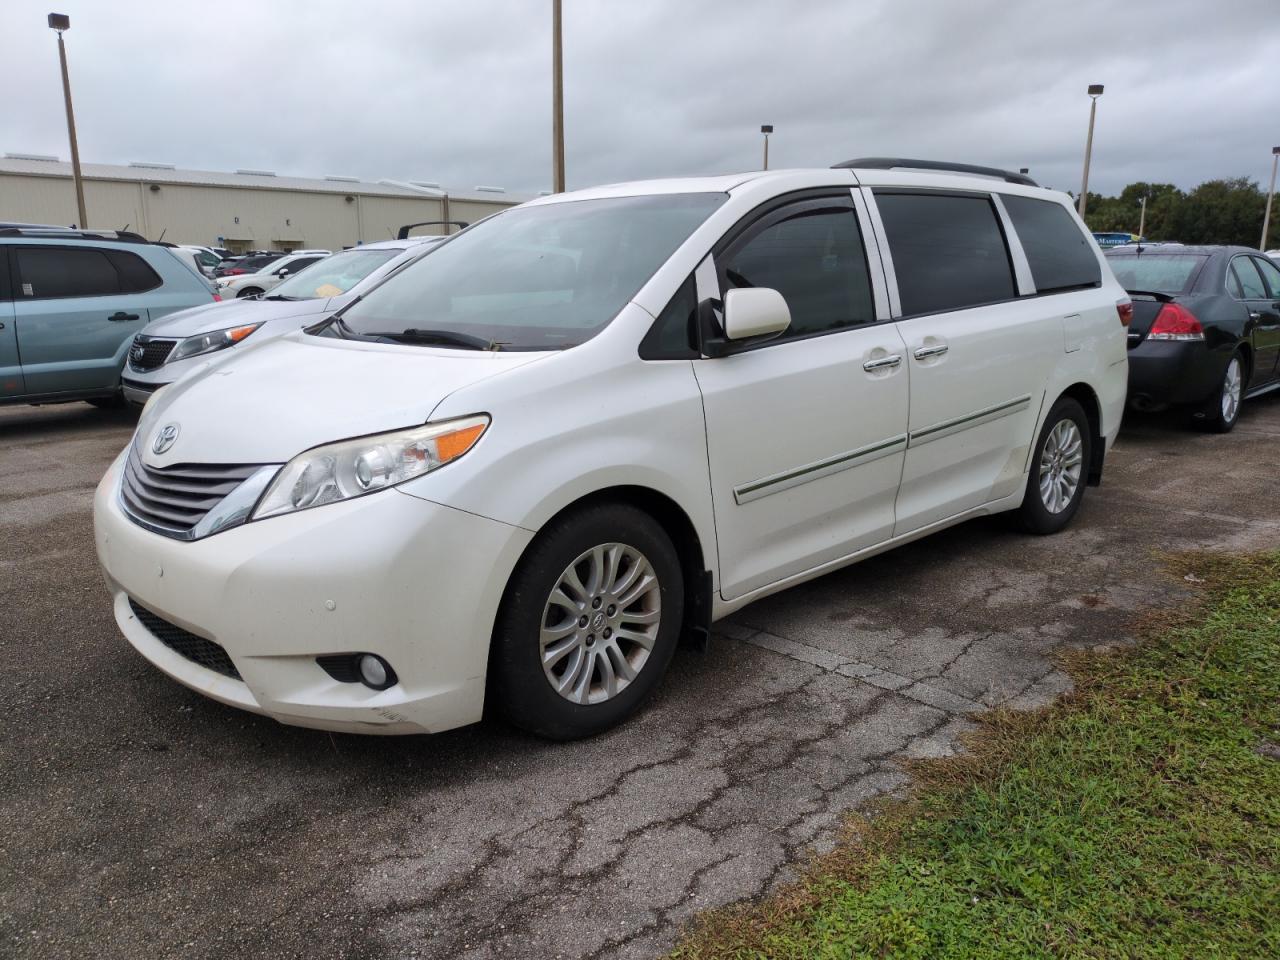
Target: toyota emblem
pixel 166 436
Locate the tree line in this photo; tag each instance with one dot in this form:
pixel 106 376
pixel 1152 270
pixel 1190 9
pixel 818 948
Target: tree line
pixel 1217 211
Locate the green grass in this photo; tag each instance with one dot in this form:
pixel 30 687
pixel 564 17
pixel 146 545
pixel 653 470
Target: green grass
pixel 1139 817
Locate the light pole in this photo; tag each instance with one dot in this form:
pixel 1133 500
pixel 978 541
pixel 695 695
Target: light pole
pixel 766 129
pixel 1266 220
pixel 1142 220
pixel 1095 91
pixel 61 22
pixel 557 99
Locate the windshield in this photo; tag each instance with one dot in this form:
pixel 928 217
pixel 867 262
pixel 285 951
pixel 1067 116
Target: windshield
pixel 334 275
pixel 541 277
pixel 1157 272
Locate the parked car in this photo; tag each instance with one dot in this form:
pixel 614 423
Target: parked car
pixel 1206 328
pixel 182 342
pixel 249 263
pixel 71 302
pixel 190 259
pixel 207 260
pixel 518 470
pixel 266 277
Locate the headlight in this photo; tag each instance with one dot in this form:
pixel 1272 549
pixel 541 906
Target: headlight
pixel 352 468
pixel 208 342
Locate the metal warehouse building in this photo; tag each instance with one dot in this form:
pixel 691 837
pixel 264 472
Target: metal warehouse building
pixel 245 210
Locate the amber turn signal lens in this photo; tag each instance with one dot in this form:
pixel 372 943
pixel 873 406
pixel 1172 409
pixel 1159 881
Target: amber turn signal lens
pixel 453 445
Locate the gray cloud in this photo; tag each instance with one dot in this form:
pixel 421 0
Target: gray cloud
pixel 459 90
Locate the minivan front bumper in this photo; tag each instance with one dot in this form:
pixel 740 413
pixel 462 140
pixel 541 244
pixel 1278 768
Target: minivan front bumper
pixel 415 582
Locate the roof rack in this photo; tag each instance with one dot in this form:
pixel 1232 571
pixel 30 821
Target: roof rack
pixel 69 233
pixel 404 231
pixel 897 163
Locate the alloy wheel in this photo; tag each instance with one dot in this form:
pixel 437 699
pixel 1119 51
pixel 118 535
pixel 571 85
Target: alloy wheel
pixel 1231 389
pixel 1061 464
pixel 600 623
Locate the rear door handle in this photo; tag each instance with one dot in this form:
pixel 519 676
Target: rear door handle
pixel 120 316
pixel 883 363
pixel 924 353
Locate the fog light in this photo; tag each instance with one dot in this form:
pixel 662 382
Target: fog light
pixel 375 672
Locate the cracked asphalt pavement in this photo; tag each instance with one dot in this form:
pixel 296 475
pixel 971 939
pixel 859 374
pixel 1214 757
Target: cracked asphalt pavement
pixel 140 820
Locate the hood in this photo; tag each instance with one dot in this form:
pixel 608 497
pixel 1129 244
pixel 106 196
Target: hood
pixel 229 313
pixel 285 395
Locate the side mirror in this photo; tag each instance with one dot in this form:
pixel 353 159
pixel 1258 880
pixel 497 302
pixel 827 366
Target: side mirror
pixel 755 312
pixel 282 272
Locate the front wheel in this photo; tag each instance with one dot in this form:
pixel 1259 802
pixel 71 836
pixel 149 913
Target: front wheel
pixel 1222 410
pixel 1059 465
pixel 248 292
pixel 588 624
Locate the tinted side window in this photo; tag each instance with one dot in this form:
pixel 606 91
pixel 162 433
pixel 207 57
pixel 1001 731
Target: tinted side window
pixel 948 251
pixel 1250 282
pixel 5 293
pixel 674 335
pixel 1060 255
pixel 297 265
pixel 47 272
pixel 1270 273
pixel 135 273
pixel 815 259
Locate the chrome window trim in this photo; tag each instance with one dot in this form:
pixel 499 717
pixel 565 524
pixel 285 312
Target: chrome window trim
pixel 886 255
pixel 826 467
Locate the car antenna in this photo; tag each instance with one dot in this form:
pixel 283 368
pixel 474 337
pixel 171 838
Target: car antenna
pixel 162 233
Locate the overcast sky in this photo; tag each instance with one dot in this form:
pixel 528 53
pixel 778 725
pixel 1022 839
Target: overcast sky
pixel 459 91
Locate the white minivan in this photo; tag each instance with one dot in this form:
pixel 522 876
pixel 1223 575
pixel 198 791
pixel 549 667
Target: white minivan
pixel 521 469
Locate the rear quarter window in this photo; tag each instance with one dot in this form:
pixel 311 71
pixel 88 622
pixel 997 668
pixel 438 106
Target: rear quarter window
pixel 1060 254
pixel 948 250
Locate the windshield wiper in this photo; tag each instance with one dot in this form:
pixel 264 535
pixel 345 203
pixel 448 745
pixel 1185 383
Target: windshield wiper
pixel 276 296
pixel 447 338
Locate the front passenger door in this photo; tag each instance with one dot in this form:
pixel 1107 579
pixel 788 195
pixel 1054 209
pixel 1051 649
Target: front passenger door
pixel 805 432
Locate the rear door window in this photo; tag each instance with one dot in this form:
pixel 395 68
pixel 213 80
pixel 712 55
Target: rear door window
pixel 812 253
pixel 948 250
pixel 1250 281
pixel 1059 253
pixel 55 272
pixel 1270 273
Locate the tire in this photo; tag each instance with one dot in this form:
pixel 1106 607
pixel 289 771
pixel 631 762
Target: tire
pixel 248 292
pixel 1065 447
pixel 570 550
pixel 1222 410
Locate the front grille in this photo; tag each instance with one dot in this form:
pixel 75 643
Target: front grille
pixel 147 354
pixel 198 650
pixel 175 499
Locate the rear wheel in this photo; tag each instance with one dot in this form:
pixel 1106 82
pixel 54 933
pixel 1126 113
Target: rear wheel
pixel 1059 468
pixel 1222 410
pixel 248 292
pixel 589 623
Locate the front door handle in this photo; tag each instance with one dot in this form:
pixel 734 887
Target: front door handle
pixel 1254 315
pixel 924 353
pixel 884 363
pixel 121 317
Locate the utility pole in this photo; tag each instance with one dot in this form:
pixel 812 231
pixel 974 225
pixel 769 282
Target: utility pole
pixel 766 129
pixel 1266 220
pixel 557 98
pixel 61 22
pixel 1095 91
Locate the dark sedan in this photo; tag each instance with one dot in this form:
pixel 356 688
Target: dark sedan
pixel 1205 333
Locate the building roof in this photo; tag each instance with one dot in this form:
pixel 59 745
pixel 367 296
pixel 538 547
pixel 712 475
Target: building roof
pixel 30 165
